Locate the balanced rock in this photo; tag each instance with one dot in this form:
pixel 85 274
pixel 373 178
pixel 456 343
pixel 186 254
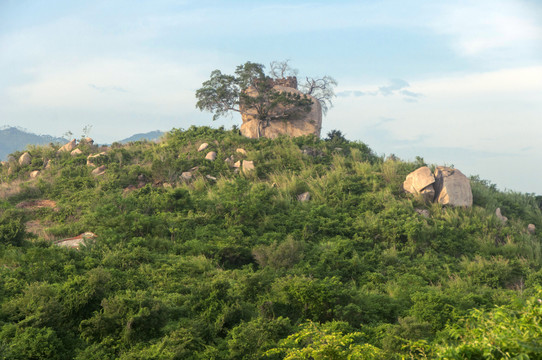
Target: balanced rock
pixel 34 174
pixel 305 123
pixel 420 181
pixel 25 159
pixel 452 187
pixel 531 228
pixel 306 196
pixel 76 152
pixel 203 147
pixel 248 166
pixel 211 155
pixel 499 215
pixel 69 146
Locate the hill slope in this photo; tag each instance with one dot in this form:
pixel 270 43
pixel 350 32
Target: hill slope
pixel 196 259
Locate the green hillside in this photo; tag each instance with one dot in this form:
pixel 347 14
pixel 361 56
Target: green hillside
pixel 198 259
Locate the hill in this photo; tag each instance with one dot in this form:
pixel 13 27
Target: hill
pixel 16 139
pixel 150 136
pixel 185 257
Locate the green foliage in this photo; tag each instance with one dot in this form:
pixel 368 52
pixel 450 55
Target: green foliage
pixel 229 265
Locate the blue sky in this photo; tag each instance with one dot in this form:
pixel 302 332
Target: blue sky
pixel 456 82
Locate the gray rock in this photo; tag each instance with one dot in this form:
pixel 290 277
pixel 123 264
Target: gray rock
pixel 452 187
pixel 306 196
pixel 502 218
pixel 203 147
pixel 25 159
pixel 211 156
pixel 210 177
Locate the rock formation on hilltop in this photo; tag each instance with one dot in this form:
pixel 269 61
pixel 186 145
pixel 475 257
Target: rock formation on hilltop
pixel 302 123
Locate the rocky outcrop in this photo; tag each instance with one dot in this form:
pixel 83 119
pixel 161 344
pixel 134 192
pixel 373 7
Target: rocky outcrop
pixel 446 186
pixel 421 182
pixel 452 187
pixel 68 147
pixel 91 158
pixel 305 123
pixel 76 242
pixel 25 159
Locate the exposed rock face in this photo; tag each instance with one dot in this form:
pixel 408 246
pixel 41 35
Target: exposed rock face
pixel 211 156
pixel 531 228
pixel 248 166
pixel 25 159
pixel 69 146
pixel 421 181
pixel 502 218
pixel 452 187
pixel 306 196
pixel 203 147
pixel 76 242
pixel 305 124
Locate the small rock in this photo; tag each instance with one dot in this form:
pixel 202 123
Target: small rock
pixel 25 159
pixel 195 168
pixel 203 147
pixel 210 177
pixel 34 174
pixel 306 196
pixel 99 171
pixel 167 185
pixel 423 212
pixel 91 157
pixel 502 218
pixel 531 228
pixel 248 166
pixel 186 176
pixel 211 156
pixel 241 151
pixel 230 161
pixel 47 164
pixel 237 164
pixel 76 152
pixel 69 146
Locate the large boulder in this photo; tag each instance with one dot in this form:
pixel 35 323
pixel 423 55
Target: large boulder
pixel 306 124
pixel 452 187
pixel 421 182
pixel 25 159
pixel 68 147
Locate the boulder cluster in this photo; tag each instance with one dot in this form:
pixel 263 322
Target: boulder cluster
pixel 446 186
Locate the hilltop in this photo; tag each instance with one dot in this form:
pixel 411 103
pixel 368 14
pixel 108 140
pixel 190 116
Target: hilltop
pixel 208 244
pixel 13 139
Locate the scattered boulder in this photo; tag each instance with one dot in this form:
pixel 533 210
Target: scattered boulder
pixel 248 166
pixel 69 146
pixel 452 187
pixel 531 228
pixel 306 196
pixel 312 152
pixel 75 242
pixel 211 156
pixel 186 176
pixel 203 147
pixel 421 182
pixel 210 177
pixel 499 215
pixel 423 212
pixel 100 170
pixel 90 158
pixel 237 164
pixel 34 174
pixel 76 152
pixel 25 159
pixel 241 151
pixel 47 164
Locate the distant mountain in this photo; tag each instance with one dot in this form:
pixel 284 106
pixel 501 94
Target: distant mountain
pixel 151 135
pixel 15 139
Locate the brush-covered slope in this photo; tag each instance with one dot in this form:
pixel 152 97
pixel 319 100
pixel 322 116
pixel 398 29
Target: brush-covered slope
pixel 227 264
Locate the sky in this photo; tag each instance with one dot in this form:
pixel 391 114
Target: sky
pixel 454 82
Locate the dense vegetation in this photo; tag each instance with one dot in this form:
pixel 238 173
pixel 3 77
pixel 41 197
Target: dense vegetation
pixel 233 266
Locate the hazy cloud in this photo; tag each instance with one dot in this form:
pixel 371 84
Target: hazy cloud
pixel 395 84
pixel 103 89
